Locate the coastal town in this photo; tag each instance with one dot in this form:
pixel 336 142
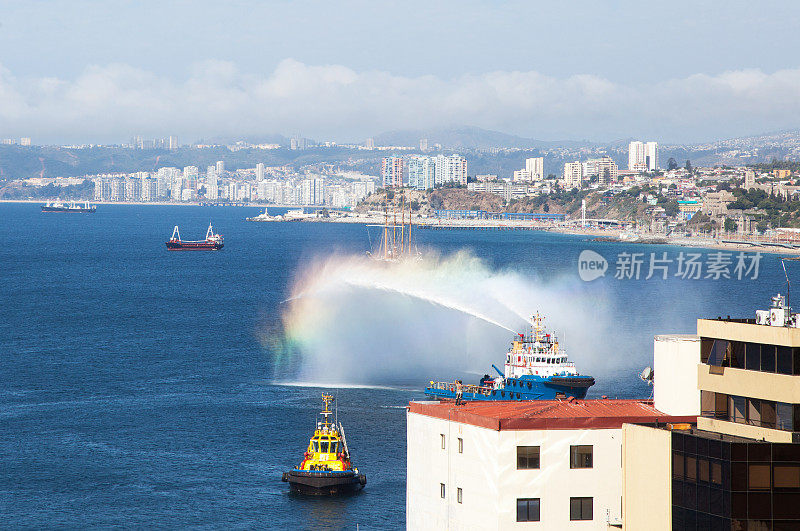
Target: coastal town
pixel 630 190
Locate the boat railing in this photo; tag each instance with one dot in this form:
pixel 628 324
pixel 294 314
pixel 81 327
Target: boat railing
pixel 465 388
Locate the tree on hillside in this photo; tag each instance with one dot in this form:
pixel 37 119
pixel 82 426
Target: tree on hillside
pixel 688 166
pixel 671 164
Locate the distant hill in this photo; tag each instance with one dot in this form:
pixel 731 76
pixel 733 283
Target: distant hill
pixel 466 138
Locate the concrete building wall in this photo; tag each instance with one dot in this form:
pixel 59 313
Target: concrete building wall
pixel 646 478
pixel 675 361
pixel 771 335
pixel 752 384
pixel 487 473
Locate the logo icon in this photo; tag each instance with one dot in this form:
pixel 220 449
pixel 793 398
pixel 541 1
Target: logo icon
pixel 591 265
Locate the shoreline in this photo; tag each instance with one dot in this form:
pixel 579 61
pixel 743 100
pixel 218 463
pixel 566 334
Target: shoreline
pixel 607 235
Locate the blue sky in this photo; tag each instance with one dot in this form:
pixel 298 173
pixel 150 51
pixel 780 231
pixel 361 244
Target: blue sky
pixel 673 71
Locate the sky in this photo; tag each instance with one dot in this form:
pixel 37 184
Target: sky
pixel 678 71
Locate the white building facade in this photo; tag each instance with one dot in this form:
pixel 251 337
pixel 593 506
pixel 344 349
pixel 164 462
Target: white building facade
pixel 544 464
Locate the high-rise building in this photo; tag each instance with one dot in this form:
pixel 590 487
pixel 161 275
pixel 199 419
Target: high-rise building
pixel 450 169
pixel 421 172
pixel 177 188
pixel 423 144
pixel 220 167
pixel 607 171
pixel 749 179
pixel 25 141
pixel 573 175
pixel 392 171
pixel 370 143
pixel 636 156
pixel 643 156
pixel 651 156
pixel 173 142
pixel 535 168
pixel 260 171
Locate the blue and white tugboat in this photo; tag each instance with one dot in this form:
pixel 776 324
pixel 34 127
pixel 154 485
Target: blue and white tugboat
pixel 536 369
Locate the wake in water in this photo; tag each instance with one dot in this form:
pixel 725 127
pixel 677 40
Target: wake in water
pixel 352 319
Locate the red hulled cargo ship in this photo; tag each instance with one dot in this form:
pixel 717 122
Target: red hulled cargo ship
pixel 213 242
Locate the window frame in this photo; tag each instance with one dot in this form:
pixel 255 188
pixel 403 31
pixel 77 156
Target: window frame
pixel 528 458
pixel 460 445
pixel 443 441
pixel 442 491
pixel 582 501
pixel 574 450
pixel 530 502
pixel 459 495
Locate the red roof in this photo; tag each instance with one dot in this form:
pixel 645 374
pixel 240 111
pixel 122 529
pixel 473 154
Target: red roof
pixel 548 414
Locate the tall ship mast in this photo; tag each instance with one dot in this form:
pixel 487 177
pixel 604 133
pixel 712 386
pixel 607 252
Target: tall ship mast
pixel 396 241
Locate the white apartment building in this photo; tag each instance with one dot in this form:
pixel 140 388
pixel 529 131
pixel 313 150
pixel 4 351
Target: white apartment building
pixel 573 175
pixel 643 156
pixel 421 172
pixel 521 176
pixel 535 168
pixel 260 171
pixel 450 169
pixel 549 464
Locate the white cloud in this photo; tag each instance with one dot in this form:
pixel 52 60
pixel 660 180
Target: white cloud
pixel 333 101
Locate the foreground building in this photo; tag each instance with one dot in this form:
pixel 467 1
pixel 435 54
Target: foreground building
pixel 504 465
pixel 717 449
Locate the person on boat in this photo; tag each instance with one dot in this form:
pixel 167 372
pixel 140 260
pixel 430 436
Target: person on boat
pixel 459 393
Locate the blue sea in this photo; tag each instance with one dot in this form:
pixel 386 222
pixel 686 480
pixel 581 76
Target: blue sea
pixel 137 388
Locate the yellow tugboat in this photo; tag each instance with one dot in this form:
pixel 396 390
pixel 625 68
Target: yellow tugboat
pixel 326 469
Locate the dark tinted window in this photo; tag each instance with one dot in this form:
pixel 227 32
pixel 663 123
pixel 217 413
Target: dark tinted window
pixel 767 358
pixel 580 456
pixel 527 457
pixel 580 508
pixel 784 363
pixel 528 510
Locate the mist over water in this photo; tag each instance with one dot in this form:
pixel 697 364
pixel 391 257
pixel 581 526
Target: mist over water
pixel 354 320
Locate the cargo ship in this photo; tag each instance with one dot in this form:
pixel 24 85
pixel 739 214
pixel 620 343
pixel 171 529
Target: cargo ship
pixel 72 206
pixel 536 368
pixel 326 469
pixel 213 242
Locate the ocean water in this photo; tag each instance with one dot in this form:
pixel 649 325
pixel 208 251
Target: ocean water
pixel 139 387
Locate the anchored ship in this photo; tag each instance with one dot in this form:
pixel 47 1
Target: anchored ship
pixel 213 242
pixel 72 206
pixel 536 368
pixel 326 469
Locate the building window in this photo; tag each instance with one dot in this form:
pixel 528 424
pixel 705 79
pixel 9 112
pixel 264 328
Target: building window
pixel 786 476
pixel 459 495
pixel 460 445
pixel 442 440
pixel 441 490
pixel 527 509
pixel 527 457
pixel 580 456
pixel 580 508
pixel 758 477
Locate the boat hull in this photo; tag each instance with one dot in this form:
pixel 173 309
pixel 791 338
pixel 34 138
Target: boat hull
pixel 323 483
pixel 529 388
pixel 194 246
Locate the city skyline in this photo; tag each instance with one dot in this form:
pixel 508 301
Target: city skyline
pixel 679 73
